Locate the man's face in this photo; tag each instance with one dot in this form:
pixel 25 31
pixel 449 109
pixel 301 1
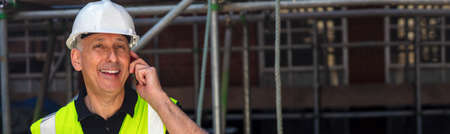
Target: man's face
pixel 103 60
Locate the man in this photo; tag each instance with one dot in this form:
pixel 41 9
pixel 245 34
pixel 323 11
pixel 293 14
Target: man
pixel 100 42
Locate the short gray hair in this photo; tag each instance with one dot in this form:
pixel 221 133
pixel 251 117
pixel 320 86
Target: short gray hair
pixel 77 43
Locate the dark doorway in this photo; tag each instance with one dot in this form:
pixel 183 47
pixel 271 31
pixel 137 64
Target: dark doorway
pixel 366 64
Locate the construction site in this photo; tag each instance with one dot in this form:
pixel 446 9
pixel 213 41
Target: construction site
pixel 252 66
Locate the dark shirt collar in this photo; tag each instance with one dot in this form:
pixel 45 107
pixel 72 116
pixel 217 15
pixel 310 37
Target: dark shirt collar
pixel 128 104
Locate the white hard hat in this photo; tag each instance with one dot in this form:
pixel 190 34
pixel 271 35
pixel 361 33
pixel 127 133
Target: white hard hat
pixel 102 17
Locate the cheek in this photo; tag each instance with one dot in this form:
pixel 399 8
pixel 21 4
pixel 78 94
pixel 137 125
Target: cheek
pixel 90 62
pixel 125 61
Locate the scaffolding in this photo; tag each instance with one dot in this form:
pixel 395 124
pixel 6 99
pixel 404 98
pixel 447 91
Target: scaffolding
pixel 4 74
pixel 314 11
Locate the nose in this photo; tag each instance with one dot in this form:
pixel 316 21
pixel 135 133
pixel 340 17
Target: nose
pixel 112 55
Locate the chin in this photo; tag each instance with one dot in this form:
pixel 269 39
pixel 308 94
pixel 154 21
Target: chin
pixel 112 89
pixel 110 86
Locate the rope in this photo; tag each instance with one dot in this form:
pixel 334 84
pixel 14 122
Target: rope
pixel 203 71
pixel 277 69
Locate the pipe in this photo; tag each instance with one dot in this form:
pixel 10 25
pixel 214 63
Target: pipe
pixel 27 51
pixel 316 80
pixel 226 71
pixel 345 56
pixel 245 66
pixel 196 54
pixel 238 6
pixel 203 71
pixel 196 58
pixel 341 115
pixel 305 15
pixel 258 48
pixel 46 73
pixel 156 55
pixel 68 69
pixel 277 69
pixel 418 97
pixel 215 69
pixel 289 32
pixel 4 74
pixel 443 51
pixel 261 57
pixel 164 22
pixel 54 67
pixel 387 49
pixel 69 77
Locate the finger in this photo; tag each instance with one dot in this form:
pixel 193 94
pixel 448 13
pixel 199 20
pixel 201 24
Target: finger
pixel 142 61
pixel 141 71
pixel 139 88
pixel 138 77
pixel 136 73
pixel 132 67
pixel 134 55
pixel 133 64
pixel 142 77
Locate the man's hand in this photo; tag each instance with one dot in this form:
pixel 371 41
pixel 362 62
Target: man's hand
pixel 148 86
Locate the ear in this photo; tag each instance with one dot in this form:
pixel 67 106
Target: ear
pixel 75 56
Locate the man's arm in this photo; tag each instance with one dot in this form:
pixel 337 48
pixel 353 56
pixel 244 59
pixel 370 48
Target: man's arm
pixel 149 88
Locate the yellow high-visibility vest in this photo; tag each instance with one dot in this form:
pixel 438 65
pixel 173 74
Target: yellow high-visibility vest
pixel 65 121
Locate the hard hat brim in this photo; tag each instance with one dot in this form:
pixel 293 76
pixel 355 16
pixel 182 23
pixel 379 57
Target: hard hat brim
pixel 72 40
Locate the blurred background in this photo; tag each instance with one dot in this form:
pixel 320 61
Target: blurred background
pixel 347 66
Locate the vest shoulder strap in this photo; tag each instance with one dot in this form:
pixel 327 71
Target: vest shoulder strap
pixel 45 125
pixel 62 121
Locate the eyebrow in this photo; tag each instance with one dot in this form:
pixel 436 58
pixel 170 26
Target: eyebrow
pixel 99 39
pixel 121 39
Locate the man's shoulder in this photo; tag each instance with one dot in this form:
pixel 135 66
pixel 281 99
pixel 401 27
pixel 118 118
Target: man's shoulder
pixel 66 108
pixel 48 123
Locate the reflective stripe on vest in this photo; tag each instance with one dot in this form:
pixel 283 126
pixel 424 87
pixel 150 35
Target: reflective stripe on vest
pixel 47 124
pixel 65 121
pixel 155 123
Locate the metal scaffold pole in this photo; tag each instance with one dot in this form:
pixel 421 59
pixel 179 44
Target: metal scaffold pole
pixel 226 70
pixel 277 69
pixel 316 79
pixel 46 71
pixel 196 56
pixel 215 68
pixel 69 77
pixel 201 89
pixel 4 74
pixel 245 58
pixel 164 22
pixel 238 6
pixel 418 97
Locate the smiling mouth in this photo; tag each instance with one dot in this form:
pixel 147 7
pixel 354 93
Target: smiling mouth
pixel 110 72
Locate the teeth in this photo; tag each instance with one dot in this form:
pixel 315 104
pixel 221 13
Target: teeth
pixel 110 71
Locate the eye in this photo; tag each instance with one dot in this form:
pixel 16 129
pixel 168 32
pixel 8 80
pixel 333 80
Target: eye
pixel 98 45
pixel 121 46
